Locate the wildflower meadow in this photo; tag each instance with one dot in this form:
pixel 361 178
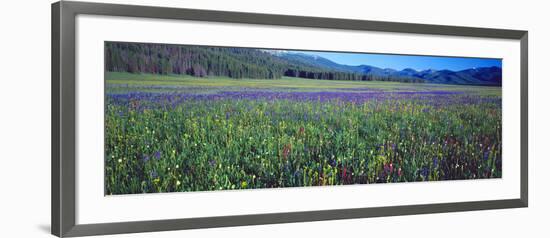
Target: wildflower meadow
pixel 179 133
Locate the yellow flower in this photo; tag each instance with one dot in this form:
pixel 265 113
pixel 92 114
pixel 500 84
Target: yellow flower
pixel 120 160
pixel 178 183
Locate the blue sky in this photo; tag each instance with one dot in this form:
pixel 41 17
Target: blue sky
pixel 400 62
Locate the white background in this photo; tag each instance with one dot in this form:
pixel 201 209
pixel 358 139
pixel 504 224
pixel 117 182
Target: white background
pixel 25 118
pixel 94 207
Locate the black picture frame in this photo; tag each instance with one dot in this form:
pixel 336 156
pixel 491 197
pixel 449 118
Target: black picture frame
pixel 63 136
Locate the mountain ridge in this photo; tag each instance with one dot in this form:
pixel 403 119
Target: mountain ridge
pixel 491 76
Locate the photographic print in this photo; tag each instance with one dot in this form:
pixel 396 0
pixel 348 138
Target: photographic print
pixel 188 118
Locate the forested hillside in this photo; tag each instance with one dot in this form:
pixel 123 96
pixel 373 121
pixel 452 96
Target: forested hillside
pixel 215 61
pixel 204 61
pixel 192 60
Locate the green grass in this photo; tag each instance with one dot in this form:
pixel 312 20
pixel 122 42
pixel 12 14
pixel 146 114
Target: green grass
pixel 301 84
pixel 171 141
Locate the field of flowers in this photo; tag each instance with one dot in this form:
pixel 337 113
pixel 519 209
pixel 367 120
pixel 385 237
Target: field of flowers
pixel 168 134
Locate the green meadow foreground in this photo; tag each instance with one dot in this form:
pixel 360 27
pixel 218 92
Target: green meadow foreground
pixel 180 133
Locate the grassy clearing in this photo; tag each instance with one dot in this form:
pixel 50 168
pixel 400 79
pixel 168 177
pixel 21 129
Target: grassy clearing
pixel 300 84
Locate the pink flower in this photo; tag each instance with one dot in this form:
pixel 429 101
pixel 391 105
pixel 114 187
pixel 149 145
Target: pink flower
pixel 344 172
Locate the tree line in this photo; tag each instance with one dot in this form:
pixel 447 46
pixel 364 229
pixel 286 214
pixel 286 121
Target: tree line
pixel 201 61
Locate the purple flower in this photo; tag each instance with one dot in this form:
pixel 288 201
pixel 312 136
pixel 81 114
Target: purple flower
pixel 145 158
pixel 157 155
pixel 486 155
pixel 332 162
pixel 146 100
pixel 425 172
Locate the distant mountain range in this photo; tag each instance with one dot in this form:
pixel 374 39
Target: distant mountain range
pixel 204 61
pixel 475 76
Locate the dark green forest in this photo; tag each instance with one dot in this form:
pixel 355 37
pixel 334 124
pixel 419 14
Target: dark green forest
pixel 203 61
